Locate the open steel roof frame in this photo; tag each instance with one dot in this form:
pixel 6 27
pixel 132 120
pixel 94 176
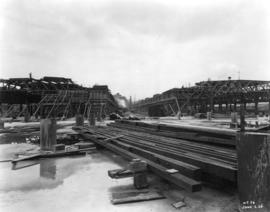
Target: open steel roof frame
pixel 211 93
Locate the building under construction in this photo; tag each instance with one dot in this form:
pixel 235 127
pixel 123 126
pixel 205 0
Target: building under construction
pixel 190 153
pixel 53 97
pixel 223 96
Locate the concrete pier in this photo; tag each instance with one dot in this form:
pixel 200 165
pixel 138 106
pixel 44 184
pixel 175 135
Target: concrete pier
pixel 253 151
pixel 47 134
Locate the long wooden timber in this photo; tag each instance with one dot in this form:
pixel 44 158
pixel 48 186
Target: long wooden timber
pixel 186 169
pixel 209 164
pixel 176 178
pixel 53 154
pixel 214 161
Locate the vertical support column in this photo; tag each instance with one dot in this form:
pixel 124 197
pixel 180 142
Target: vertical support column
pixel 92 121
pixel 211 109
pixel 26 114
pixel 2 124
pixel 99 113
pixel 209 115
pixel 79 120
pixel 220 107
pixel 234 123
pixel 233 117
pixel 139 169
pixel 242 117
pixel 256 107
pixel 269 107
pixel 47 134
pixel 21 108
pixel 253 153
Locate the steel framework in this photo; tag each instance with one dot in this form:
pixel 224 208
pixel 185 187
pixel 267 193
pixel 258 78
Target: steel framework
pixel 53 97
pixel 222 96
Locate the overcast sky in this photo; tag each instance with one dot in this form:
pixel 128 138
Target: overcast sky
pixel 138 48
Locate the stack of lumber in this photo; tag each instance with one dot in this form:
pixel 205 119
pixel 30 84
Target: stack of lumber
pixel 216 136
pixel 183 162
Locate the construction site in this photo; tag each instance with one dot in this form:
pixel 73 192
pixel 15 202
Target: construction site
pixel 198 148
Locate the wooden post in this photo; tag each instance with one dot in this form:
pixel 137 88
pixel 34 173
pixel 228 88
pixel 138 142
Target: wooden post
pixel 2 124
pixel 47 134
pixel 139 169
pixel 220 107
pixel 233 117
pixel 242 117
pixel 79 120
pixel 269 107
pixel 26 114
pixel 256 107
pixel 253 153
pixel 92 121
pixel 209 116
pixel 99 116
pixel 48 169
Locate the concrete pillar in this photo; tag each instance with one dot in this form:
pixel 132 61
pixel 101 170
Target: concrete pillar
pixel 92 121
pixel 47 134
pixel 79 120
pixel 253 153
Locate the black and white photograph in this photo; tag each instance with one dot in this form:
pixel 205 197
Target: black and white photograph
pixel 135 105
